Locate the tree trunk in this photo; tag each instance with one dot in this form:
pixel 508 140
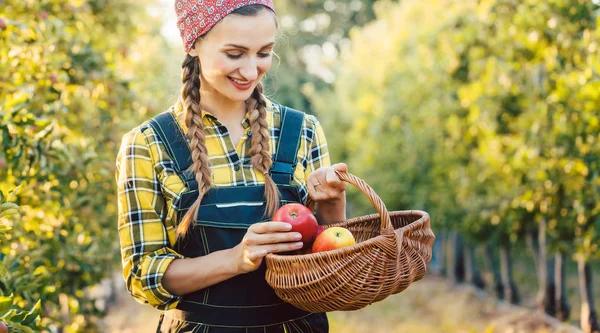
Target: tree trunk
pixel 63 301
pixel 546 292
pixel 492 263
pixel 438 262
pixel 472 274
pixel 112 296
pixel 469 264
pixel 510 289
pixel 542 268
pixel 455 258
pixel 459 268
pixel 533 246
pixel 562 305
pixel 448 249
pixel 589 317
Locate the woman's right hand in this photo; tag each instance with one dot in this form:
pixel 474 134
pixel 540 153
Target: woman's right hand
pixel 261 239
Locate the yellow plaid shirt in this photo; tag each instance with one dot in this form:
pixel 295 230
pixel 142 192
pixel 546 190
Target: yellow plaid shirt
pixel 148 186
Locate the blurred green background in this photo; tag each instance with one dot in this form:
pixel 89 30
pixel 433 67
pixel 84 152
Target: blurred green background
pixel 484 113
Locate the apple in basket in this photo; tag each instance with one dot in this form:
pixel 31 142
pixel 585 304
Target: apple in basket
pixel 301 218
pixel 333 238
pixel 320 229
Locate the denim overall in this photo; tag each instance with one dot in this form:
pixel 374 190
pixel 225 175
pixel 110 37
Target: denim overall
pixel 244 303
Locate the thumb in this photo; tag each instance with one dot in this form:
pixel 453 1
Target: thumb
pixel 341 167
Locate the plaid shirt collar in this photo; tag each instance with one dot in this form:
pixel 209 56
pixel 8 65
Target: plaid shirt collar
pixel 180 116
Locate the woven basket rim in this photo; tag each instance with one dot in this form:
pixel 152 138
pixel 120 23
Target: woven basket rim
pixel 358 246
pixel 424 217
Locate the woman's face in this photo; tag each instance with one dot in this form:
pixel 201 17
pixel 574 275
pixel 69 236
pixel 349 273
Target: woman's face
pixel 236 53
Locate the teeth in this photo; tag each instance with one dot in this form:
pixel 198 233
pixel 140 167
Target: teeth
pixel 238 81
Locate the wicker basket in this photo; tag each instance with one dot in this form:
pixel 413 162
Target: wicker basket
pixel 392 251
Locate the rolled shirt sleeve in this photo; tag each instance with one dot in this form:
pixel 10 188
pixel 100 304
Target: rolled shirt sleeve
pixel 145 247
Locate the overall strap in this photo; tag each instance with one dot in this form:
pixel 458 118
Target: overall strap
pixel 286 156
pixel 171 135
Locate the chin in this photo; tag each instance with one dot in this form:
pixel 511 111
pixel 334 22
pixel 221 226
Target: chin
pixel 240 96
pixel 237 97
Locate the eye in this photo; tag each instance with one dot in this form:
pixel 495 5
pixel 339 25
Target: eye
pixel 264 55
pixel 233 56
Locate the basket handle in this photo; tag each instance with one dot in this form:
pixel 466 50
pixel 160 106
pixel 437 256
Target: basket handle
pixel 386 224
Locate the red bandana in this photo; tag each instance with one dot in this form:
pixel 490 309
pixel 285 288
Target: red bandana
pixel 196 17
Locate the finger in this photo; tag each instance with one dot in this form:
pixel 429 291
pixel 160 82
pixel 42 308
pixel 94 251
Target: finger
pixel 256 254
pixel 316 176
pixel 334 181
pixel 277 237
pixel 271 226
pixel 283 247
pixel 341 167
pixel 312 189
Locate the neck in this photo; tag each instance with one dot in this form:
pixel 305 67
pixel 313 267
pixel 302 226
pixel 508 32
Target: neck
pixel 220 106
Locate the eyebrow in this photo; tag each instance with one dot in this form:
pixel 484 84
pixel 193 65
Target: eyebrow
pixel 245 48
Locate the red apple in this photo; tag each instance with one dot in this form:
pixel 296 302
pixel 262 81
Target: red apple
pixel 3 328
pixel 320 229
pixel 333 238
pixel 2 24
pixel 301 219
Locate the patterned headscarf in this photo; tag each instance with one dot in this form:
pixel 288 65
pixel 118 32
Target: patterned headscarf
pixel 196 17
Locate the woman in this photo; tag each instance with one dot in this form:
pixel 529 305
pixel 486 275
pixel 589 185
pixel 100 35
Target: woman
pixel 199 182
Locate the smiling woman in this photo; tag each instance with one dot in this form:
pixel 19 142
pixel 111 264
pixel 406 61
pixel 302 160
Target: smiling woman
pixel 236 54
pixel 199 183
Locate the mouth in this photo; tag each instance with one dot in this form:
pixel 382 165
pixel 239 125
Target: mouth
pixel 240 84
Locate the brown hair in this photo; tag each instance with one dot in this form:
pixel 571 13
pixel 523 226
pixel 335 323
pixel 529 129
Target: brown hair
pixel 259 152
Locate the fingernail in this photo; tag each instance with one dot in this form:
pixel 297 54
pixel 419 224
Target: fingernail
pixel 297 236
pixel 288 226
pixel 299 244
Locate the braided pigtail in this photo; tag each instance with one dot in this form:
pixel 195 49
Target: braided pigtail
pixel 259 152
pixel 190 99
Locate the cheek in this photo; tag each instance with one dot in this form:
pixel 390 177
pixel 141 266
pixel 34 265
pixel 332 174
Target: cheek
pixel 264 64
pixel 223 67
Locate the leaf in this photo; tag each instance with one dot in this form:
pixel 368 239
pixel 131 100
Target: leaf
pixel 5 303
pixel 40 270
pixel 8 205
pixel 13 193
pixel 22 328
pixel 33 314
pixel 19 316
pixel 8 315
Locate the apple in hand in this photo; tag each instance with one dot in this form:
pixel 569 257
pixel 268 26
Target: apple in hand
pixel 333 238
pixel 301 218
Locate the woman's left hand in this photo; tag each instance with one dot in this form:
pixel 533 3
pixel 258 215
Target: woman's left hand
pixel 324 185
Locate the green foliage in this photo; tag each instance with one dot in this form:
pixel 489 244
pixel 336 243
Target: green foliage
pixel 17 318
pixel 483 113
pixel 313 34
pixel 67 92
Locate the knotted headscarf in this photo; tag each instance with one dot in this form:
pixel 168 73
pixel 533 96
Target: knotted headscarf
pixel 197 17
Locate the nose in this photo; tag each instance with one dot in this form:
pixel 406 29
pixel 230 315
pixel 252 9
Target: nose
pixel 250 69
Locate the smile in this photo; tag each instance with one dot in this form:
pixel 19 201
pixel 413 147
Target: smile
pixel 239 84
